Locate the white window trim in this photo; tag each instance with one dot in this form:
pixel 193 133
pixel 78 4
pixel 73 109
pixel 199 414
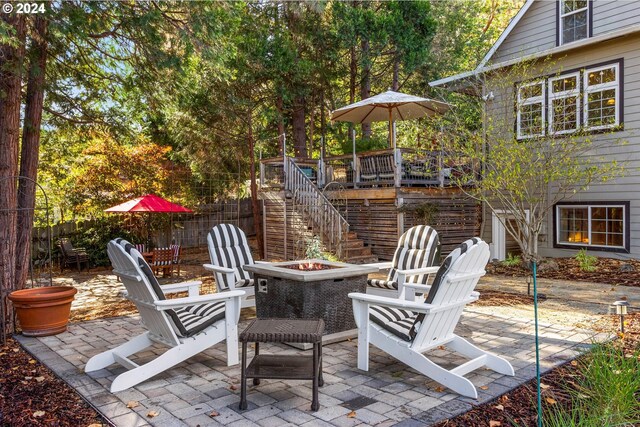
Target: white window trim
pixel 615 85
pixel 589 207
pixel 529 101
pixel 573 93
pixel 564 15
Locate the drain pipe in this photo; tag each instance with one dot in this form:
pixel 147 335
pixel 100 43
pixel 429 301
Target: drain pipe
pixel 485 98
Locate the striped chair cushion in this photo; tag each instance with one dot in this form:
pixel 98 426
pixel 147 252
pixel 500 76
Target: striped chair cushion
pixel 244 283
pixel 418 247
pixel 230 249
pixel 397 321
pixel 383 284
pixel 447 265
pixel 196 318
pixel 188 320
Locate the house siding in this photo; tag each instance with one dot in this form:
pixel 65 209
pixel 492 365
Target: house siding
pixel 536 31
pixel 626 188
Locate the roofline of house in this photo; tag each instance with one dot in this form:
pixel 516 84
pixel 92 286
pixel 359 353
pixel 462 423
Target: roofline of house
pixel 481 69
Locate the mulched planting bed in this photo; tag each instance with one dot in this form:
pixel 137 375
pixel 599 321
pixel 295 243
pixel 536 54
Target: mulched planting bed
pixel 30 395
pixel 607 270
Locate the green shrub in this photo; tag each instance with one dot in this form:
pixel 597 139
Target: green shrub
pixel 512 260
pixel 95 237
pixel 586 262
pixel 315 251
pixel 605 392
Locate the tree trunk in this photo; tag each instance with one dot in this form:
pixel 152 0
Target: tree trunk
pixel 11 58
pixel 365 83
pixel 396 74
pixel 30 149
pixel 280 107
pixel 255 205
pixel 353 74
pixel 299 135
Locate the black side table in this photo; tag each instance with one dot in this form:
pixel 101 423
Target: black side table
pixel 287 366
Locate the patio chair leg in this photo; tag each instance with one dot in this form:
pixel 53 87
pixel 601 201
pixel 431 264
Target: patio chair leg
pixel 492 361
pixel 104 359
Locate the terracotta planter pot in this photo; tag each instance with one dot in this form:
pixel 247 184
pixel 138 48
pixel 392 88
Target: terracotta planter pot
pixel 43 311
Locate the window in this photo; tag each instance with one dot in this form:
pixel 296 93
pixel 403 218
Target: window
pixel 564 103
pixel 574 19
pixel 586 99
pixel 531 110
pixel 601 92
pixel 601 225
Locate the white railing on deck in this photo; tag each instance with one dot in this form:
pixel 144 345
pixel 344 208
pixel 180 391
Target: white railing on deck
pixel 331 226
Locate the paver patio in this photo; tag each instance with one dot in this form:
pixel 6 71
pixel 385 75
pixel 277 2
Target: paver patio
pixel 389 394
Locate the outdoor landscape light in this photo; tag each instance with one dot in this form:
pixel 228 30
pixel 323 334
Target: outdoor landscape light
pixel 621 310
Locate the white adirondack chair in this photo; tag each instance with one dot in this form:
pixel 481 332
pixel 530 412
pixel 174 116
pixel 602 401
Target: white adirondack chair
pixel 413 261
pixel 229 252
pixel 187 325
pixel 406 329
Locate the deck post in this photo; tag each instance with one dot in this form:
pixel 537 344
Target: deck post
pixel 356 169
pixel 397 158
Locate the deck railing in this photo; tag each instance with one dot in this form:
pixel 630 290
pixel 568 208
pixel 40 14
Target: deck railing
pixel 394 168
pixel 331 226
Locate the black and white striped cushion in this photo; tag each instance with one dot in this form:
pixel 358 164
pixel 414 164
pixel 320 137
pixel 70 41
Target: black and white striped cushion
pixel 397 321
pixel 418 247
pixel 244 283
pixel 196 318
pixel 447 264
pixel 230 250
pixel 383 284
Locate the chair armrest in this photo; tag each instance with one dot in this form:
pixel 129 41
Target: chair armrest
pixel 184 286
pixel 261 262
pixel 218 269
pixel 168 304
pixel 423 270
pixel 380 265
pixel 393 302
pixel 419 286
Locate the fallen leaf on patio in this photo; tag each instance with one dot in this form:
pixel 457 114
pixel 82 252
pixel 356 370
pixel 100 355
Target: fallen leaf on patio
pixel 132 404
pixel 574 363
pixel 351 414
pixel 439 389
pixel 505 398
pixel 494 423
pixel 214 414
pixel 39 414
pixel 28 378
pixel 233 387
pixel 484 387
pixel 152 414
pixel 440 347
pixel 39 379
pixel 550 401
pixel 499 407
pixel 544 386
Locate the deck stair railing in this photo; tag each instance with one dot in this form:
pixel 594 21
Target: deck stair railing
pixel 326 220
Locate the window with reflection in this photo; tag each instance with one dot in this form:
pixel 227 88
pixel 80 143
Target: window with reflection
pixel 531 110
pixel 601 91
pixel 596 225
pixel 574 20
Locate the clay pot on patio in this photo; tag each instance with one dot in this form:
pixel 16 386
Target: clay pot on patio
pixel 43 311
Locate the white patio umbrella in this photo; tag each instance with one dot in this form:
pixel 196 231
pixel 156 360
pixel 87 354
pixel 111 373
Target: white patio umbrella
pixel 389 106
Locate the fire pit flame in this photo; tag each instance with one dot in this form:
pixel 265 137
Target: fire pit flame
pixel 308 265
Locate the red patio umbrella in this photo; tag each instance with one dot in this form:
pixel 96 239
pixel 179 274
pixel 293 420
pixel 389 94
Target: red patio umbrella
pixel 149 203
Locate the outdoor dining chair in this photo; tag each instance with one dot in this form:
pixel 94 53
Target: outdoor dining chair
pixel 162 259
pixel 406 329
pixel 72 257
pixel 413 261
pixel 187 325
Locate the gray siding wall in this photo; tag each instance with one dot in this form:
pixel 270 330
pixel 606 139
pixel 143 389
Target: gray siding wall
pixel 626 188
pixel 536 31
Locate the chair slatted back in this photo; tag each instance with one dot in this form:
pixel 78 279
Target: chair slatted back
pixel 228 247
pixel 140 247
pixel 177 250
pixel 368 169
pixel 418 247
pixel 455 281
pixel 386 166
pixel 162 256
pixel 129 267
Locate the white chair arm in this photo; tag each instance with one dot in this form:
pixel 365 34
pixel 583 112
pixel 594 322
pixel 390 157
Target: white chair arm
pixel 168 304
pixel 218 269
pixel 393 302
pixel 183 286
pixel 423 270
pixel 380 265
pixel 261 262
pixel 424 288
